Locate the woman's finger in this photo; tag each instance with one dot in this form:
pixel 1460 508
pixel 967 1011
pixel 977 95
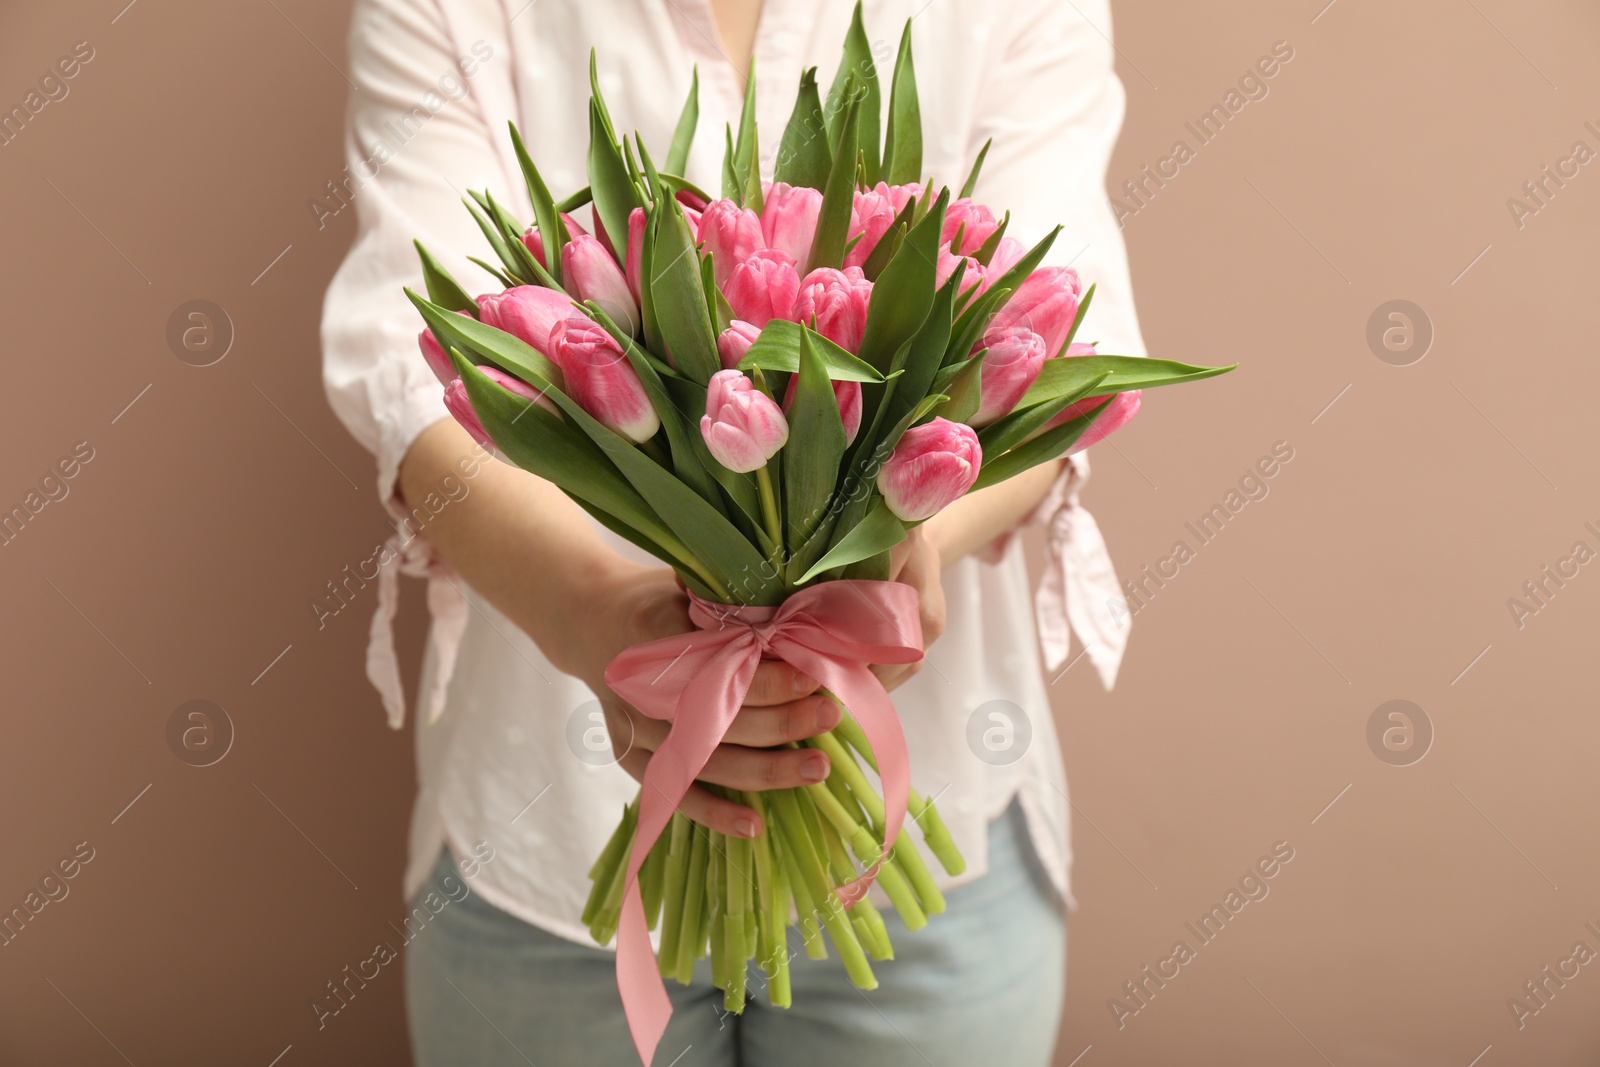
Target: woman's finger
pixel 737 767
pixel 700 804
pixel 777 683
pixel 796 720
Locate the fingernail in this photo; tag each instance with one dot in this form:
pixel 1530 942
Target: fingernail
pixel 744 827
pixel 815 769
pixel 803 685
pixel 830 715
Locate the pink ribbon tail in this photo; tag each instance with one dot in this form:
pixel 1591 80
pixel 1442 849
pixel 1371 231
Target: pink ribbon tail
pixel 698 681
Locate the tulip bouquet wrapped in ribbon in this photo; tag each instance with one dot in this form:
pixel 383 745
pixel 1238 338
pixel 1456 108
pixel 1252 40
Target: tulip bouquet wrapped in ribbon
pixel 766 390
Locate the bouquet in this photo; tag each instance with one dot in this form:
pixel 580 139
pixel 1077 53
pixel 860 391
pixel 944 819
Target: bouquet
pixel 767 390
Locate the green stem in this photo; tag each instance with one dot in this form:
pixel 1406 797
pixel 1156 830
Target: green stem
pixel 923 811
pixel 770 515
pixel 792 823
pixel 691 933
pixel 868 850
pixel 678 847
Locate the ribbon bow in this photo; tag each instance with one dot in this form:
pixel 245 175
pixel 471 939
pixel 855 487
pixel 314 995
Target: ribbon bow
pixel 830 631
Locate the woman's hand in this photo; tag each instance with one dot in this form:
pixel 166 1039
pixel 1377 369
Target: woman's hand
pixel 916 561
pixel 782 706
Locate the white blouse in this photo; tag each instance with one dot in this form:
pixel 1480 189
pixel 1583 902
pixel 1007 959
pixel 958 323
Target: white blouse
pixel 511 759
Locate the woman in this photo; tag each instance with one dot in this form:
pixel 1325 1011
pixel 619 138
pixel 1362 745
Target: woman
pixel 532 599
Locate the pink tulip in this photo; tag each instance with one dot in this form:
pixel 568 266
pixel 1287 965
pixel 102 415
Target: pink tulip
pixel 437 358
pixel 600 379
pixel 848 396
pixel 730 234
pixel 1115 415
pixel 590 272
pixel 834 303
pixel 946 266
pixel 933 465
pixel 974 221
pixel 763 287
pixel 460 405
pixel 789 219
pixel 636 222
pixel 1007 255
pixel 691 202
pixel 870 217
pixel 1012 362
pixel 535 242
pixel 735 341
pixel 901 195
pixel 743 428
pixel 1046 303
pixel 528 312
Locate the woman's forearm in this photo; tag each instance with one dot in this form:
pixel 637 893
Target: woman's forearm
pixel 980 517
pixel 519 541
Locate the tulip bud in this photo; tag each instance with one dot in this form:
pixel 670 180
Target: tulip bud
pixel 946 266
pixel 901 195
pixel 742 427
pixel 730 234
pixel 460 405
pixel 1007 255
pixel 789 219
pixel 1012 362
pixel 933 465
pixel 763 287
pixel 590 272
pixel 438 359
pixel 1115 415
pixel 735 341
pixel 600 379
pixel 636 224
pixel 1046 303
pixel 848 396
pixel 837 301
pixel 870 217
pixel 527 311
pixel 535 242
pixel 974 221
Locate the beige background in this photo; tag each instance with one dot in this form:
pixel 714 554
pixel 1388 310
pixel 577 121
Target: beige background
pixel 1378 567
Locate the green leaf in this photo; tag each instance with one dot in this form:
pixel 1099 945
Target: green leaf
pixel 509 353
pixel 985 252
pixel 678 297
pixel 962 384
pixel 576 200
pixel 732 188
pixel 1077 317
pixel 977 165
pixel 889 243
pixel 878 532
pixel 497 241
pixel 499 275
pixel 688 119
pixel 615 196
pixel 803 155
pixel 1022 423
pixel 811 469
pixel 512 230
pixel 442 289
pixel 902 140
pixel 552 231
pixel 778 349
pixel 739 489
pixel 903 293
pixel 1049 445
pixel 1118 374
pixel 838 196
pixel 746 152
pixel 856 82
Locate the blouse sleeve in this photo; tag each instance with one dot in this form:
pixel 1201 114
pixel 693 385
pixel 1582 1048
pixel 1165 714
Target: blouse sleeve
pixel 1053 105
pixel 416 139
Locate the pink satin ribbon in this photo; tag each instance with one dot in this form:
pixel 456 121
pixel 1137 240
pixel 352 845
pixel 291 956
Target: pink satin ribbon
pixel 698 681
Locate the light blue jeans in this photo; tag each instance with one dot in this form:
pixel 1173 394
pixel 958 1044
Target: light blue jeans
pixel 980 984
